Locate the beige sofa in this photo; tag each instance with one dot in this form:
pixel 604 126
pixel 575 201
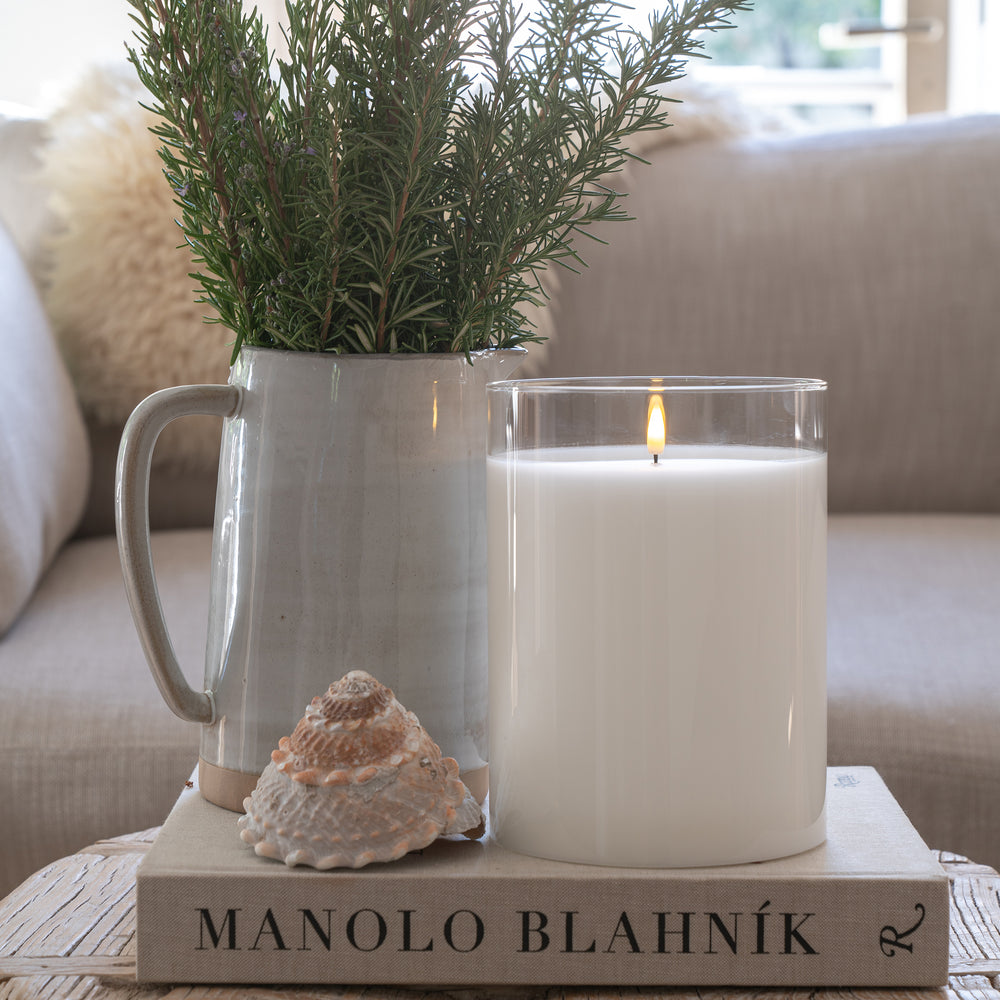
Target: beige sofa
pixel 867 258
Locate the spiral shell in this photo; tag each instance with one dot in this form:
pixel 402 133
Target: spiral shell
pixel 359 780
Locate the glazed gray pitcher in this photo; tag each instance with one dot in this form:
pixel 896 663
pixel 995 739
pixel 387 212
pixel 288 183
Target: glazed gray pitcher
pixel 350 533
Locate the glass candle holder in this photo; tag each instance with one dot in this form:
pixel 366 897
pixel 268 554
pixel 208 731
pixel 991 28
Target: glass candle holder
pixel 657 592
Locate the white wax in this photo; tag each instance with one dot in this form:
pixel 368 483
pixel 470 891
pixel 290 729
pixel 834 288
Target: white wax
pixel 658 654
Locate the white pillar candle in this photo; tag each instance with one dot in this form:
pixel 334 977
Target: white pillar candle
pixel 657 653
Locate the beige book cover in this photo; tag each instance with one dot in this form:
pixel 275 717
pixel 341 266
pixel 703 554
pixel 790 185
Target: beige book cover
pixel 867 908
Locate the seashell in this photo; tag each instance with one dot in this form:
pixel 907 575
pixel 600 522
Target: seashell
pixel 359 780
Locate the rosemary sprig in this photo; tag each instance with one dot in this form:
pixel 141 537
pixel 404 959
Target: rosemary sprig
pixel 401 180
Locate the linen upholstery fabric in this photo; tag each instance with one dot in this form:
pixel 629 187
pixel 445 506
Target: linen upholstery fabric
pixel 44 454
pixel 88 749
pixel 914 667
pixel 866 258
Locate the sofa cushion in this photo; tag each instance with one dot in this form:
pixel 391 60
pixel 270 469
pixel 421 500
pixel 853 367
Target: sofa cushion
pixel 88 749
pixel 866 258
pixel 914 667
pixel 44 453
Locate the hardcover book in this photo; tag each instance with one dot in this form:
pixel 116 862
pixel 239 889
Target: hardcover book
pixel 867 908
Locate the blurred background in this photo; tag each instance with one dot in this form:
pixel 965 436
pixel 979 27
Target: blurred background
pixel 832 62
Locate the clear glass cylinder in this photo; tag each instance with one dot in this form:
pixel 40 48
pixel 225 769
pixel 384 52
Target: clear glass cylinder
pixel 657 630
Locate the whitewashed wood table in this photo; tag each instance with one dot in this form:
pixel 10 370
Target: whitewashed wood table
pixel 68 933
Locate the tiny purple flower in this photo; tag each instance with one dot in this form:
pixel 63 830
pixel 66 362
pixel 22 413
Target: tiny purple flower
pixel 240 117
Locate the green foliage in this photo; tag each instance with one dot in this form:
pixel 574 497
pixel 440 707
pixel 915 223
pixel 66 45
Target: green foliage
pixel 400 181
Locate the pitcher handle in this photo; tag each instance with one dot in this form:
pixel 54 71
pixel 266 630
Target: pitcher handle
pixel 132 521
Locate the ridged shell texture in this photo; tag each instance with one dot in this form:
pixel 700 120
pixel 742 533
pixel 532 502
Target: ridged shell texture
pixel 359 780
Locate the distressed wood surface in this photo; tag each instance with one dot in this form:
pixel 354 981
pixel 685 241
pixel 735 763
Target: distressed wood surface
pixel 68 933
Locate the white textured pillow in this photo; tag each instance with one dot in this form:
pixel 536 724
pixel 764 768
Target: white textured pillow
pixel 44 454
pixel 118 291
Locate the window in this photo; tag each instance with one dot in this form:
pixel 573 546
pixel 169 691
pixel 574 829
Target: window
pixel 804 55
pixel 868 61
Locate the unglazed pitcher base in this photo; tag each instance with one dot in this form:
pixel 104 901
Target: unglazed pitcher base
pixel 478 782
pixel 223 786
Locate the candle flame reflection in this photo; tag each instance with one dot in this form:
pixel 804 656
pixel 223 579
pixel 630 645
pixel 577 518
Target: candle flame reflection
pixel 656 426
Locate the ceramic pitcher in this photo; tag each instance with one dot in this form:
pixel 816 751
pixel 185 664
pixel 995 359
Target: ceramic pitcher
pixel 349 534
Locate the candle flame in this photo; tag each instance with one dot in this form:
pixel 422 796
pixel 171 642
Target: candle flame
pixel 656 426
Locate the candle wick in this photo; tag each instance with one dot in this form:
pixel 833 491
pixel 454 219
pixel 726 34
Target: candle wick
pixel 656 458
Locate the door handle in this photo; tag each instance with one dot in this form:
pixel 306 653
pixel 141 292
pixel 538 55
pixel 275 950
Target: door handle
pixel 861 32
